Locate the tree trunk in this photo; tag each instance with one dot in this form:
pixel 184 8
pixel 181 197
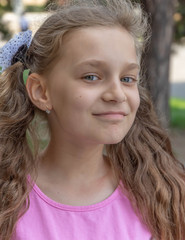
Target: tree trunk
pixel 156 59
pixel 17 6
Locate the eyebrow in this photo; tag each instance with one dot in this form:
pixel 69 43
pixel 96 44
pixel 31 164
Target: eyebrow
pixel 96 63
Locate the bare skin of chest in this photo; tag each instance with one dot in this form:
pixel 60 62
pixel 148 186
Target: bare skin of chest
pixel 77 195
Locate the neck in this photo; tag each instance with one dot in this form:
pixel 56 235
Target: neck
pixel 74 163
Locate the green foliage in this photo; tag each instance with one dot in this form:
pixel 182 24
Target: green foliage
pixel 5 8
pixel 179 18
pixel 33 8
pixel 177 109
pixel 3 28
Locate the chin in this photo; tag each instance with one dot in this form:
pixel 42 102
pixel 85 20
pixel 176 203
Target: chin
pixel 114 140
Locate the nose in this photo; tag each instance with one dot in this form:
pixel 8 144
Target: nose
pixel 114 92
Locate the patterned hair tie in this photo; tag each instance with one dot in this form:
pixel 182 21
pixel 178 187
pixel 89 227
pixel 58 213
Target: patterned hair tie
pixel 15 49
pixel 20 55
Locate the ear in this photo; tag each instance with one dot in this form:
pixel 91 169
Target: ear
pixel 37 91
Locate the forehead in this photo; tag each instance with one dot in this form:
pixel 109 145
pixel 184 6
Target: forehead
pixel 110 43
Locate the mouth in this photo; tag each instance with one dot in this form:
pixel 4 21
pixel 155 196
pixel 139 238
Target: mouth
pixel 111 115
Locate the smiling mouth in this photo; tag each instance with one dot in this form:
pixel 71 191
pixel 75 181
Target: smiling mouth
pixel 111 116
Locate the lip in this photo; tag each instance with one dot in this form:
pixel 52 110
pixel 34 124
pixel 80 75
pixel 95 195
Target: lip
pixel 111 115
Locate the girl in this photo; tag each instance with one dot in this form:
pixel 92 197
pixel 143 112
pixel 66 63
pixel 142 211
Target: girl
pixel 108 171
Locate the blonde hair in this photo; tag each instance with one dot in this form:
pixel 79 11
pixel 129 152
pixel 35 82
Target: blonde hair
pixel 143 160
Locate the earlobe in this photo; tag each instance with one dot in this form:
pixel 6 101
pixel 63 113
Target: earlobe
pixel 37 91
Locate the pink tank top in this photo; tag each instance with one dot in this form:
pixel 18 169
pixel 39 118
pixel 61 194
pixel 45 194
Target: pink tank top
pixel 110 219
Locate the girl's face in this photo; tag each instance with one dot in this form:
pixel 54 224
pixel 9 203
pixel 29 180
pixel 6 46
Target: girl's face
pixel 93 88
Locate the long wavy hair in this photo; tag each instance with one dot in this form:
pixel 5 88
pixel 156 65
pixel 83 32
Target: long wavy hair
pixel 153 178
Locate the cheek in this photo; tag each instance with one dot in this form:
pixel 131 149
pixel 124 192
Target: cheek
pixel 134 101
pixel 77 101
pixel 137 101
pixel 66 96
pixel 80 101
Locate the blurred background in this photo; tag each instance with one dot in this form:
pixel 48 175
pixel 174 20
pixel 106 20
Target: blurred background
pixel 164 59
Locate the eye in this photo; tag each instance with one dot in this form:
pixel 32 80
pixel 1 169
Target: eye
pixel 91 78
pixel 128 80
